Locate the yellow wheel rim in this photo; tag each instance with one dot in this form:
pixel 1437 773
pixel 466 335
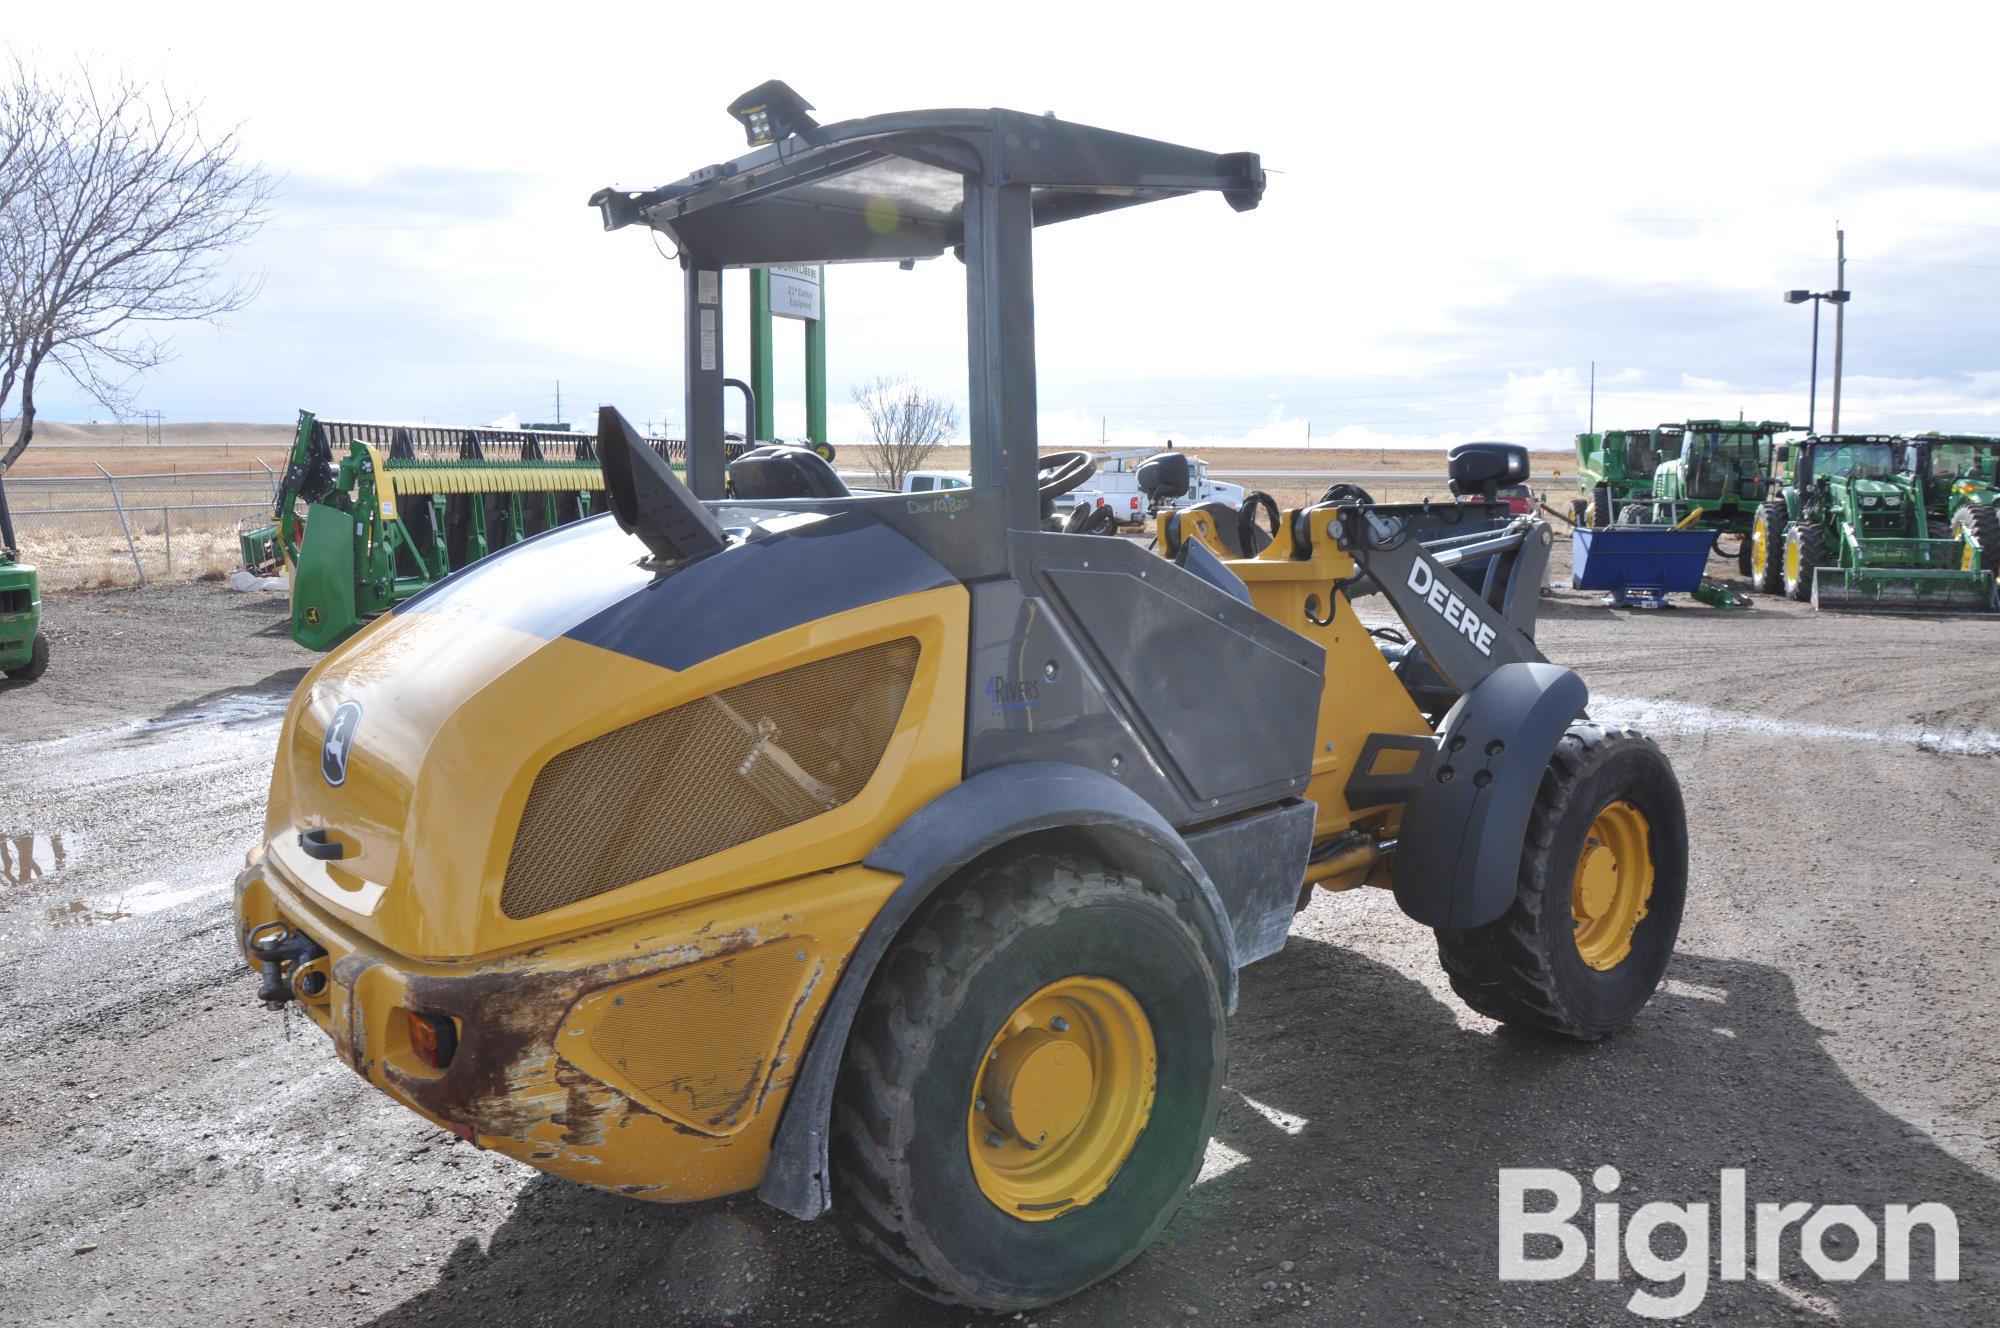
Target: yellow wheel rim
pixel 1791 561
pixel 1968 561
pixel 1613 883
pixel 1061 1097
pixel 1760 546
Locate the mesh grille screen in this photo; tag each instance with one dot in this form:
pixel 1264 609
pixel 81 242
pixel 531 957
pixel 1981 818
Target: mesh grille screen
pixel 705 776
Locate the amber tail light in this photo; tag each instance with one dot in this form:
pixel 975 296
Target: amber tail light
pixel 433 1037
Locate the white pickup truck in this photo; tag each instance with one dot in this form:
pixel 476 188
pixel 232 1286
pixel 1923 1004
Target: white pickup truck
pixel 1116 485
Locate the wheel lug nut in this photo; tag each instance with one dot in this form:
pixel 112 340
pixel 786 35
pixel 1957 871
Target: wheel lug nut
pixel 979 1104
pixel 993 1140
pixel 1059 1024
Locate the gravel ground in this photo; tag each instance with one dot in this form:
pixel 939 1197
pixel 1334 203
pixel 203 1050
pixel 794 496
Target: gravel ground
pixel 174 1155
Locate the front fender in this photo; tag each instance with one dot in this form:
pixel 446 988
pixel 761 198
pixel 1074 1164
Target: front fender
pixel 1460 848
pixel 993 808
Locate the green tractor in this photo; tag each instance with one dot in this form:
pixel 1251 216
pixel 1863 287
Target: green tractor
pixel 1846 529
pixel 24 649
pixel 1960 475
pixel 1616 466
pixel 1725 469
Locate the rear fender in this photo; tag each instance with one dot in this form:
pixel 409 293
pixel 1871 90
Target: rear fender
pixel 996 807
pixel 1460 845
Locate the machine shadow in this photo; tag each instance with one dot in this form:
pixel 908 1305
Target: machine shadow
pixel 1354 1174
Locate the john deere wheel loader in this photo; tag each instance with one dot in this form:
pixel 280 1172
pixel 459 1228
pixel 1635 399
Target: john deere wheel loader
pixel 24 649
pixel 1959 476
pixel 891 855
pixel 1854 533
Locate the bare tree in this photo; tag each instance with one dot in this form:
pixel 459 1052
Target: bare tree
pixel 116 214
pixel 906 425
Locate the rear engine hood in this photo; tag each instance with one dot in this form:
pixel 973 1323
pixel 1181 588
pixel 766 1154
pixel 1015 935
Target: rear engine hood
pixel 450 706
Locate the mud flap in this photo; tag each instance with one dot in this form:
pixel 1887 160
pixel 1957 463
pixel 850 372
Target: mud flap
pixel 1460 846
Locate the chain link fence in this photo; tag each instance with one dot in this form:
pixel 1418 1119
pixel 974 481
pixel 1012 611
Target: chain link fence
pixel 132 530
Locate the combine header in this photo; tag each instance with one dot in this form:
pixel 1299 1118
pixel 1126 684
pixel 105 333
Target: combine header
pixel 1855 534
pixel 370 514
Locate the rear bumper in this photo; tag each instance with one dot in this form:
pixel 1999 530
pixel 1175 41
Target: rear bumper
pixel 652 1059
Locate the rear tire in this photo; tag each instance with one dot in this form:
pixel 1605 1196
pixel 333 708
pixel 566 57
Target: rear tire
pixel 1981 526
pixel 1579 512
pixel 906 1107
pixel 1600 505
pixel 38 661
pixel 1526 968
pixel 1805 551
pixel 1767 548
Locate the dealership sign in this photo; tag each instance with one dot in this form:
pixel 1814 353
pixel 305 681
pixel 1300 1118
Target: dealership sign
pixel 795 292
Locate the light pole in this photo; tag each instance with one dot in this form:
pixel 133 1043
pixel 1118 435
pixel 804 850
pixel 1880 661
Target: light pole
pixel 1800 297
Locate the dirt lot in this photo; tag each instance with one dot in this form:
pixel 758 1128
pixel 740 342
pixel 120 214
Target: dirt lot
pixel 174 1155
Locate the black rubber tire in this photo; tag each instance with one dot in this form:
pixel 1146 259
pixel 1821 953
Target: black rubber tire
pixel 1600 505
pixel 1770 578
pixel 38 661
pixel 1102 521
pixel 1743 555
pixel 1636 514
pixel 1579 512
pixel 1980 524
pixel 1812 553
pixel 1524 969
pixel 903 1181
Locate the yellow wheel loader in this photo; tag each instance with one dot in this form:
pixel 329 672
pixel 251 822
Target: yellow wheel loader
pixel 891 855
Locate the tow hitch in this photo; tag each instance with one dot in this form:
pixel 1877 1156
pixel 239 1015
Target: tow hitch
pixel 290 963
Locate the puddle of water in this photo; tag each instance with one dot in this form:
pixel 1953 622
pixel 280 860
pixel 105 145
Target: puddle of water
pixel 78 913
pixel 28 858
pixel 152 897
pixel 230 710
pixel 1682 717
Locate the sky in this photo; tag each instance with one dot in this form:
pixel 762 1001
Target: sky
pixel 1466 208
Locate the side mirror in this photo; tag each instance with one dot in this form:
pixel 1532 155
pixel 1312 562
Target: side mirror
pixel 1484 468
pixel 1784 453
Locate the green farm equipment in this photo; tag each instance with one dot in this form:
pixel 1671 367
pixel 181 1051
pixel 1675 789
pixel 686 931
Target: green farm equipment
pixel 1960 475
pixel 370 514
pixel 1616 466
pixel 24 649
pixel 1724 468
pixel 1854 534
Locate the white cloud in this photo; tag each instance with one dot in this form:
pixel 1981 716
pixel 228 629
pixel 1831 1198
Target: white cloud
pixel 1464 210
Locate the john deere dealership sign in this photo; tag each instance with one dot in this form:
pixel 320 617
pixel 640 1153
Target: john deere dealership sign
pixel 795 292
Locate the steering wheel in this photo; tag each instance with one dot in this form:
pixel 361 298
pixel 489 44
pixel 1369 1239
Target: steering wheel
pixel 1059 472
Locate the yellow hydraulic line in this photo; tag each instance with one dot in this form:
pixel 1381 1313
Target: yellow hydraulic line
pixel 1688 520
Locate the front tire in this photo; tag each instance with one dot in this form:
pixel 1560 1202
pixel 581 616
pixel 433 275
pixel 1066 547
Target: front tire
pixel 1600 505
pixel 1805 550
pixel 1980 526
pixel 38 661
pixel 960 1005
pixel 1597 908
pixel 1767 548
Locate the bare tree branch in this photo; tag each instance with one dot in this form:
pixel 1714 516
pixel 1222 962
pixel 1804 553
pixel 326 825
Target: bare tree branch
pixel 906 425
pixel 117 213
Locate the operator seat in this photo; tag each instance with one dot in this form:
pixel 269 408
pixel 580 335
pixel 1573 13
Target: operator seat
pixel 780 471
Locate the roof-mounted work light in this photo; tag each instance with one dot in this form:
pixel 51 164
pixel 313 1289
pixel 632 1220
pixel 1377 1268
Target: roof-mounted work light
pixel 771 112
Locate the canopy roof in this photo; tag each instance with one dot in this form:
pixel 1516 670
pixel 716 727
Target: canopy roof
pixel 890 187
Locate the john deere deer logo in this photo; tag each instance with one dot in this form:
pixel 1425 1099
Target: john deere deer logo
pixel 339 738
